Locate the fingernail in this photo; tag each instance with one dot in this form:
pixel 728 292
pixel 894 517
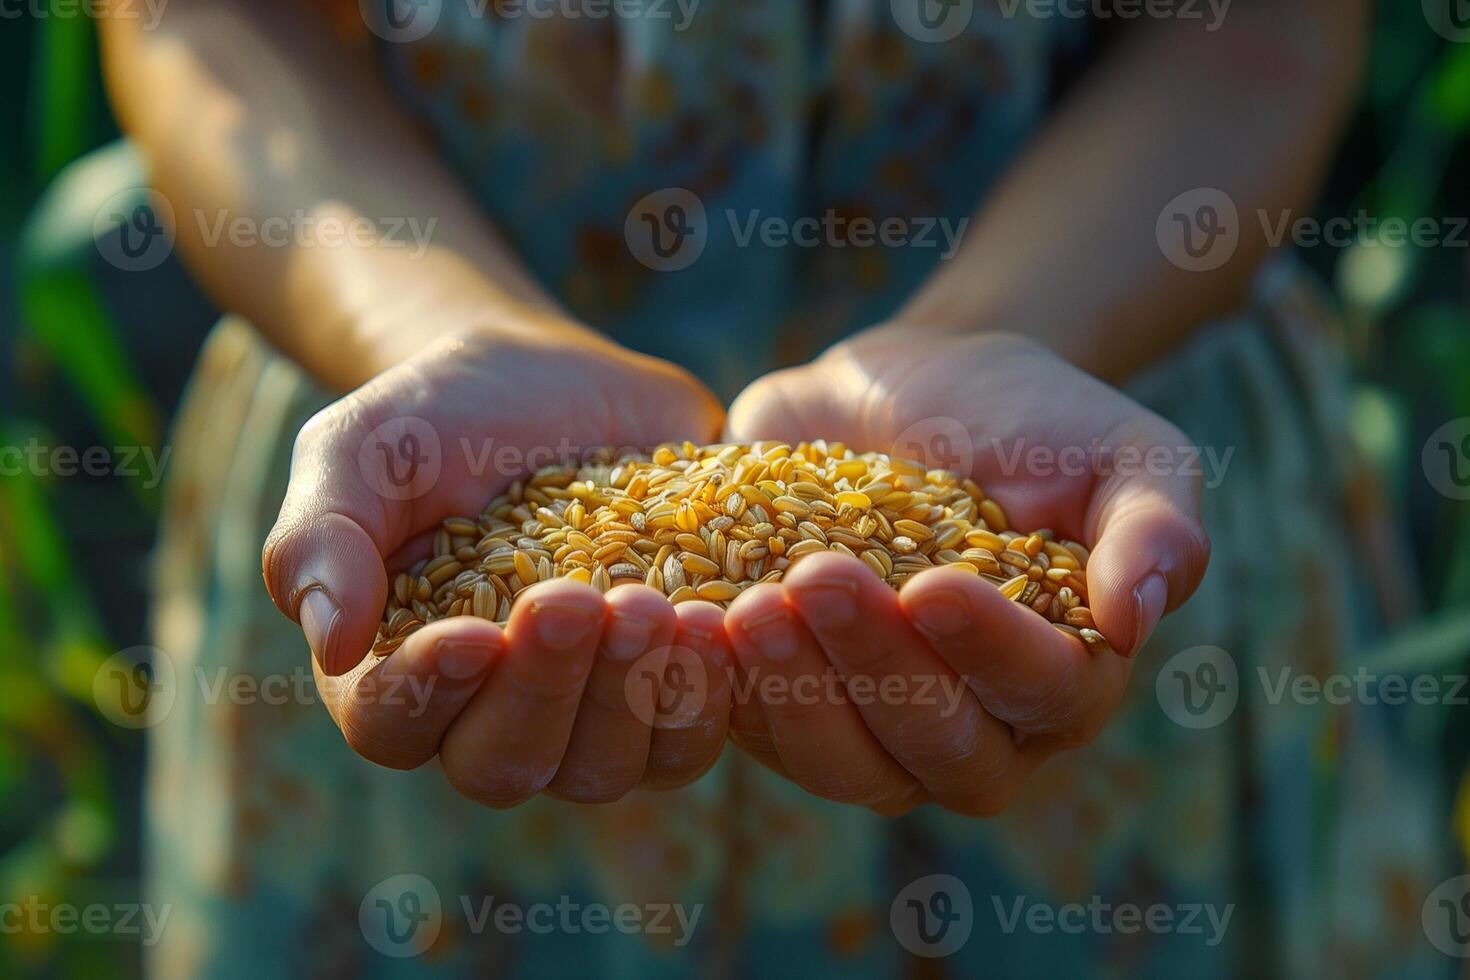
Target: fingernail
pixel 773 634
pixel 941 615
pixel 461 659
pixel 831 604
pixel 694 632
pixel 321 621
pixel 563 626
pixel 1149 600
pixel 626 636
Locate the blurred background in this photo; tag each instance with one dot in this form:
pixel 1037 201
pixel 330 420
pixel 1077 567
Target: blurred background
pixel 95 356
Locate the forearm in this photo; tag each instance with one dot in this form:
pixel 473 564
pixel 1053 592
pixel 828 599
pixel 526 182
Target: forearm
pixel 251 115
pixel 1066 248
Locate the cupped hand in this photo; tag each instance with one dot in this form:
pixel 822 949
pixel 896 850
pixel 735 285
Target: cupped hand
pixel 539 704
pixel 979 691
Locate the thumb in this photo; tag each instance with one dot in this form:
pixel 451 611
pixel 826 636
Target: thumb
pixel 323 561
pixel 791 405
pixel 1150 549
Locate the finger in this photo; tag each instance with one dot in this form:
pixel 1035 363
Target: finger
pixel 507 743
pixel 1151 549
pixel 820 738
pixel 608 749
pixel 920 709
pixel 394 711
pixel 693 713
pixel 323 559
pixel 1024 671
pixel 785 404
pixel 748 727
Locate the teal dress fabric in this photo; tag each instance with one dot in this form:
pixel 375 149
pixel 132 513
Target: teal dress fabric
pixel 1295 839
pixel 763 110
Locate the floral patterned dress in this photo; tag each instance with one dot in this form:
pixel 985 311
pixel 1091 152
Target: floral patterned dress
pixel 1278 839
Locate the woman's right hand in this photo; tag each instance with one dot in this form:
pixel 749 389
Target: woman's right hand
pixel 539 704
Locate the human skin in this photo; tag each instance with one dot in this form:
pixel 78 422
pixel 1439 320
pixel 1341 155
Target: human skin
pixel 1065 252
pixel 463 338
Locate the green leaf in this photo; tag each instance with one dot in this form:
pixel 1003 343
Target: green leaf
pixel 1448 94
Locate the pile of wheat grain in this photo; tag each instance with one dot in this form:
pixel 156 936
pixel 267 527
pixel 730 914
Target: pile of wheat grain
pixel 706 522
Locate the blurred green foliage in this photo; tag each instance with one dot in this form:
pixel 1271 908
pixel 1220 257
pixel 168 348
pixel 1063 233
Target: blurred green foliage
pixel 70 781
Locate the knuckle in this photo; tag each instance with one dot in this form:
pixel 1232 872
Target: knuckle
pixel 693 748
pixel 489 787
pixel 947 755
pixel 672 773
pixel 910 798
pixel 1082 734
pixel 863 786
pixel 1052 705
pixel 592 786
pixel 373 746
pixel 983 805
pixel 759 743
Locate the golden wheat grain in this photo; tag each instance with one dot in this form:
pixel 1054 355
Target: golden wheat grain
pixel 708 522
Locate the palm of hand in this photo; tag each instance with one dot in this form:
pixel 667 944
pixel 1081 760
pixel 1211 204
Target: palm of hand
pixel 540 704
pixel 1048 443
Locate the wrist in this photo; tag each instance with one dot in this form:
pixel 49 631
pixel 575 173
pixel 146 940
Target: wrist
pixel 386 337
pixel 902 339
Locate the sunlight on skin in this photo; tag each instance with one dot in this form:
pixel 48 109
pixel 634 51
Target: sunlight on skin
pixel 1030 691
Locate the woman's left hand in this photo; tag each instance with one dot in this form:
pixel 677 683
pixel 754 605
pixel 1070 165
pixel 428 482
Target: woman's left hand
pixel 947 691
